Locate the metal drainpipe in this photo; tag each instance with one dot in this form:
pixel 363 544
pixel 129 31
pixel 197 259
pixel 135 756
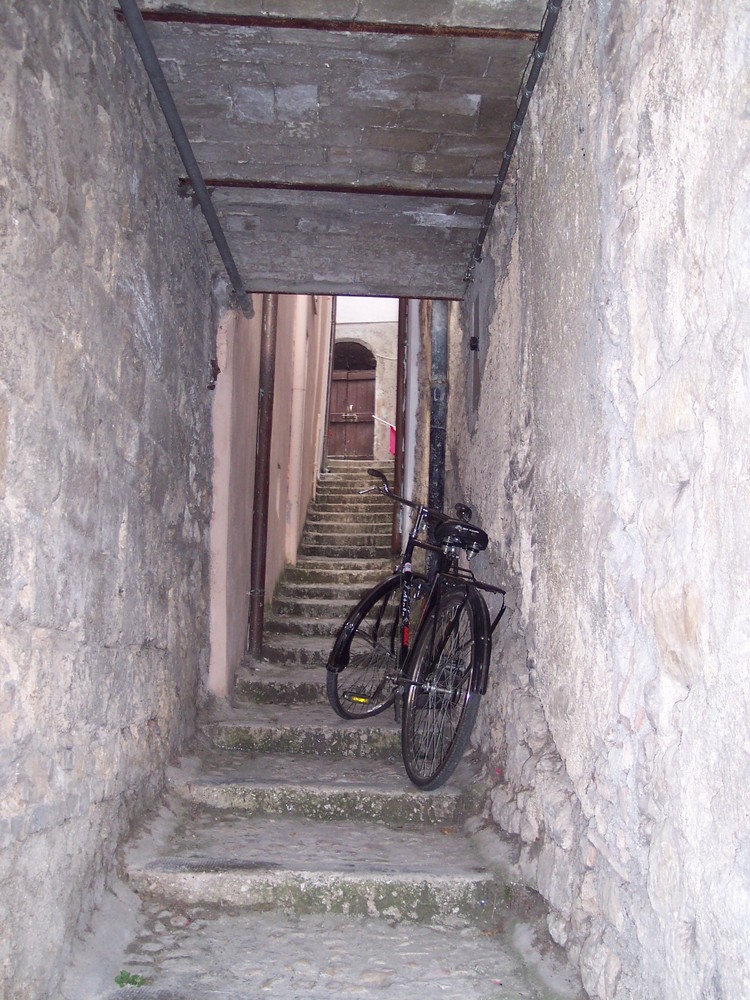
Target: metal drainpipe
pixel 135 22
pixel 438 415
pixel 398 461
pixel 438 403
pixel 331 348
pixel 262 475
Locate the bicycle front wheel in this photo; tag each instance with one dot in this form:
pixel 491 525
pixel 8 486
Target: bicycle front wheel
pixel 365 654
pixel 440 707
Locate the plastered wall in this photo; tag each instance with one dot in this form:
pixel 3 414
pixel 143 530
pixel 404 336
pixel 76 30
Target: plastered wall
pixel 606 447
pixel 302 346
pixel 235 420
pixel 105 463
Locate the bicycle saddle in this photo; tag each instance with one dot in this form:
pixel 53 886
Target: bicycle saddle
pixel 467 536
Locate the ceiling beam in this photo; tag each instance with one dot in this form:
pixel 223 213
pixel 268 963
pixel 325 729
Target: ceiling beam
pixel 370 189
pixel 214 19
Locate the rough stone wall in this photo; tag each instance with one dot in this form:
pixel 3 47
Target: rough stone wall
pixel 610 463
pixel 105 454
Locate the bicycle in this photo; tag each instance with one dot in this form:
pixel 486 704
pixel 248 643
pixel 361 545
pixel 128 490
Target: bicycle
pixel 437 680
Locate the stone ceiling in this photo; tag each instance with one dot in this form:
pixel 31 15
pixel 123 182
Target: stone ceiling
pixel 350 146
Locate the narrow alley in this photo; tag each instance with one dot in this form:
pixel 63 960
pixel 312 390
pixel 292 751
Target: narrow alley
pixel 249 249
pixel 293 858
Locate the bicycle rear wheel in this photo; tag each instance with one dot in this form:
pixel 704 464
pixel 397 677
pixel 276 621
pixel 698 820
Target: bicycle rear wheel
pixel 365 654
pixel 440 707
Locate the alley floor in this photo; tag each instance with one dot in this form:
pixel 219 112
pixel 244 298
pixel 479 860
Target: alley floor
pixel 191 941
pixel 291 857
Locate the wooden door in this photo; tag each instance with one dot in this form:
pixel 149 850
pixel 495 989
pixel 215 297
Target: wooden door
pixel 351 426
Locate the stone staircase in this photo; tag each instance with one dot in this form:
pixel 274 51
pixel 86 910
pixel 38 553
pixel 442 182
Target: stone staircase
pixel 345 549
pixel 292 858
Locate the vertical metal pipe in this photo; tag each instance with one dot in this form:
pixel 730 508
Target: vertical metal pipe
pixel 262 475
pixel 398 466
pixel 332 344
pixel 438 403
pixel 438 414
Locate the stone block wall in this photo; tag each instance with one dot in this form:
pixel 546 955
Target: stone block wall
pixel 603 437
pixel 105 448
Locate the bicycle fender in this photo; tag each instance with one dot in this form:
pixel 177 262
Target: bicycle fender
pixel 481 672
pixel 338 658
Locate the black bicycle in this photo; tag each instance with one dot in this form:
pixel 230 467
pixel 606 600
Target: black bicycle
pixel 435 679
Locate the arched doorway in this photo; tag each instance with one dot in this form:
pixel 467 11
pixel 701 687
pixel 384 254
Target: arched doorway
pixel 351 423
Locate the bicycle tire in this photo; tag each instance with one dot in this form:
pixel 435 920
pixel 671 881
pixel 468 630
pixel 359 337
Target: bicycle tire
pixel 440 707
pixel 366 652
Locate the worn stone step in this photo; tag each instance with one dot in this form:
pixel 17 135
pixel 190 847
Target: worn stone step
pixel 323 589
pixel 333 511
pixel 297 651
pixel 340 461
pixel 363 578
pixel 358 482
pixel 367 501
pixel 357 473
pixel 322 788
pixel 281 625
pixel 298 866
pixel 339 491
pixel 308 729
pixel 313 607
pixel 358 515
pixel 339 537
pixel 376 502
pixel 267 684
pixel 342 564
pixel 333 551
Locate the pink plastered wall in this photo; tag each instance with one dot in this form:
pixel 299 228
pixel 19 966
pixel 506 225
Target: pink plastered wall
pixel 302 348
pixel 235 416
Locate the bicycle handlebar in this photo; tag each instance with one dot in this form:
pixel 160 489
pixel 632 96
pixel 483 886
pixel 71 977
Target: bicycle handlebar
pixel 436 516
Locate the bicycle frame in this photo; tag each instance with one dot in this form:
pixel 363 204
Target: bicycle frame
pixel 447 576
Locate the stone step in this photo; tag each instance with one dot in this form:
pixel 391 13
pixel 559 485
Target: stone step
pixel 337 491
pixel 332 551
pixel 297 866
pixel 306 729
pixel 367 519
pixel 281 625
pixel 316 788
pixel 333 508
pixel 356 469
pixel 267 684
pixel 297 651
pixel 357 481
pixel 338 535
pixel 336 607
pixel 324 589
pixel 350 580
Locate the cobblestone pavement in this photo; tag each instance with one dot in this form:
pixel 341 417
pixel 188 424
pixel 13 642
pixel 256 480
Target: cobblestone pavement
pixel 197 953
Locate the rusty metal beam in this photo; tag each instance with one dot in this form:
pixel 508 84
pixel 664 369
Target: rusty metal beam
pixel 321 188
pixel 534 67
pixel 134 21
pixel 206 19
